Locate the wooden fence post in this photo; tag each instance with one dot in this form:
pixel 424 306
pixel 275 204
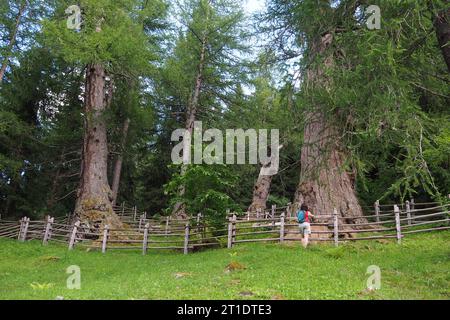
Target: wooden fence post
pixel 274 208
pixel 377 210
pixel 248 215
pixel 73 235
pixel 448 221
pixel 234 227
pixel 408 212
pixel 50 232
pixel 411 208
pixel 397 224
pixel 273 222
pixel 282 227
pixel 19 237
pixel 336 227
pixel 186 239
pixel 145 240
pixel 123 208
pixel 105 238
pixel 167 224
pixel 230 233
pixel 47 232
pixel 135 213
pixel 25 229
pixel 258 213
pixel 26 222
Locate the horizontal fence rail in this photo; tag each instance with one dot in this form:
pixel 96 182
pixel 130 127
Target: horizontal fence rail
pixel 279 224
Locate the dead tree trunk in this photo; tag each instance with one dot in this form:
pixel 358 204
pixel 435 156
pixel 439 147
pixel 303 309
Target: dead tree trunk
pixel 94 206
pixel 442 26
pixel 118 164
pixel 324 183
pixel 261 192
pixel 261 189
pixel 12 41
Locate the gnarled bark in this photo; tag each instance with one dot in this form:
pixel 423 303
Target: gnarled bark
pixel 94 206
pixel 261 192
pixel 324 183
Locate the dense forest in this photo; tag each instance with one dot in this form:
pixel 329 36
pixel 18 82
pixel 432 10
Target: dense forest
pixel 91 92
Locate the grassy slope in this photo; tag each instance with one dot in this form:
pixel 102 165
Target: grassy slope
pixel 418 269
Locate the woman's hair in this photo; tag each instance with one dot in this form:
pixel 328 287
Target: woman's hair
pixel 304 207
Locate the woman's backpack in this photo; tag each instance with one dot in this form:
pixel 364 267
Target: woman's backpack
pixel 302 216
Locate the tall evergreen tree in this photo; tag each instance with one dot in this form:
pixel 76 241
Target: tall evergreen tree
pixel 204 69
pixel 111 43
pixel 347 103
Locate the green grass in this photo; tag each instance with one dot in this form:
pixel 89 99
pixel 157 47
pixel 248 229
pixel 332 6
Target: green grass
pixel 418 269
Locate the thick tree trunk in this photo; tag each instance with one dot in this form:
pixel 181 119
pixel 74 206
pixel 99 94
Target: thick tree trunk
pixel 12 41
pixel 442 26
pixel 261 192
pixel 324 183
pixel 94 206
pixel 118 164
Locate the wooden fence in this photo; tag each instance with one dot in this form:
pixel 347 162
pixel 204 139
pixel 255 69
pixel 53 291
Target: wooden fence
pixel 127 213
pixel 391 224
pixel 190 235
pixel 183 235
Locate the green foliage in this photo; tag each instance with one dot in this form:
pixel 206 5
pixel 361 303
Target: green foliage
pixel 22 35
pixel 40 134
pixel 384 90
pixel 383 106
pixel 206 190
pixel 437 156
pixel 112 33
pixel 217 28
pixel 387 93
pixel 279 201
